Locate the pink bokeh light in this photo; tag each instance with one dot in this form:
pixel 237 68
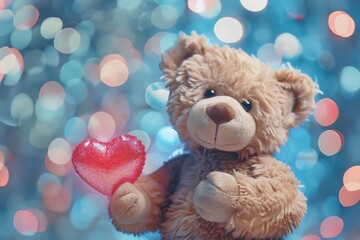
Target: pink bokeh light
pixel 55 198
pixel 348 198
pixel 26 17
pixel 330 142
pixel 311 237
pixel 341 24
pixel 326 112
pixel 331 227
pixel 25 222
pixel 352 178
pixel 114 70
pixel 4 176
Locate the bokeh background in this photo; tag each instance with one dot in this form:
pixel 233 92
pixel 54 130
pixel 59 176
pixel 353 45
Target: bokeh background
pixel 70 70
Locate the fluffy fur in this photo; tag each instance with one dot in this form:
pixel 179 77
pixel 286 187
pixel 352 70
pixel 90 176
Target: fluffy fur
pixel 210 193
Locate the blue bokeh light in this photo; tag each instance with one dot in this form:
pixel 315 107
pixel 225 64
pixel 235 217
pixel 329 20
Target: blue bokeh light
pixel 75 130
pixel 73 69
pixel 167 139
pixel 21 39
pixel 83 213
pixel 156 95
pixel 73 87
pixel 152 121
pixel 6 22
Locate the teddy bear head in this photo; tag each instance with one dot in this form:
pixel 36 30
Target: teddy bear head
pixel 221 98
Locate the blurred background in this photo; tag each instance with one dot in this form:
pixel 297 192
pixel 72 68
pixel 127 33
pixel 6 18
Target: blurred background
pixel 70 70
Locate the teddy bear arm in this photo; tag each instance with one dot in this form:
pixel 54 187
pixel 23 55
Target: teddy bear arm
pixel 268 203
pixel 154 188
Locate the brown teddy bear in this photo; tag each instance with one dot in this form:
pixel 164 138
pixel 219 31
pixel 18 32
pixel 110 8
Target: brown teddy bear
pixel 232 112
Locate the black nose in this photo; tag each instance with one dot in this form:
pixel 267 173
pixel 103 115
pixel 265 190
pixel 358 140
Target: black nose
pixel 220 113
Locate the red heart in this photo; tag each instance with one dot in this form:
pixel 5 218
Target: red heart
pixel 105 166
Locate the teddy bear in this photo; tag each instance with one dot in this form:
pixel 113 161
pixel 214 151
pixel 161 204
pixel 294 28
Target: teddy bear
pixel 232 112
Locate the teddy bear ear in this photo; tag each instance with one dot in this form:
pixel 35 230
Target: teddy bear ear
pixel 300 93
pixel 185 47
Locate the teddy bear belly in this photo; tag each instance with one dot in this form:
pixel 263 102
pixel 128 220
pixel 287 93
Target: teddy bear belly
pixel 182 222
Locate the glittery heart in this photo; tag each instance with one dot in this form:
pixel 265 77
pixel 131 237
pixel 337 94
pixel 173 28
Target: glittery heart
pixel 105 166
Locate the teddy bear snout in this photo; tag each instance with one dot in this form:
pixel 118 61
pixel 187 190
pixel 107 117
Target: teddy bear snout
pixel 220 113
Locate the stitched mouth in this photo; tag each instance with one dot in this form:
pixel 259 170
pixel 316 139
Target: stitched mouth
pixel 222 145
pixel 216 133
pixel 202 139
pixel 228 145
pixel 215 139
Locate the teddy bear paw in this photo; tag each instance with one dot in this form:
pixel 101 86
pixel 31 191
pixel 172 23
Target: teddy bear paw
pixel 128 204
pixel 213 197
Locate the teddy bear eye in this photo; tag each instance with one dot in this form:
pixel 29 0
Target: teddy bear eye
pixel 246 104
pixel 209 93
